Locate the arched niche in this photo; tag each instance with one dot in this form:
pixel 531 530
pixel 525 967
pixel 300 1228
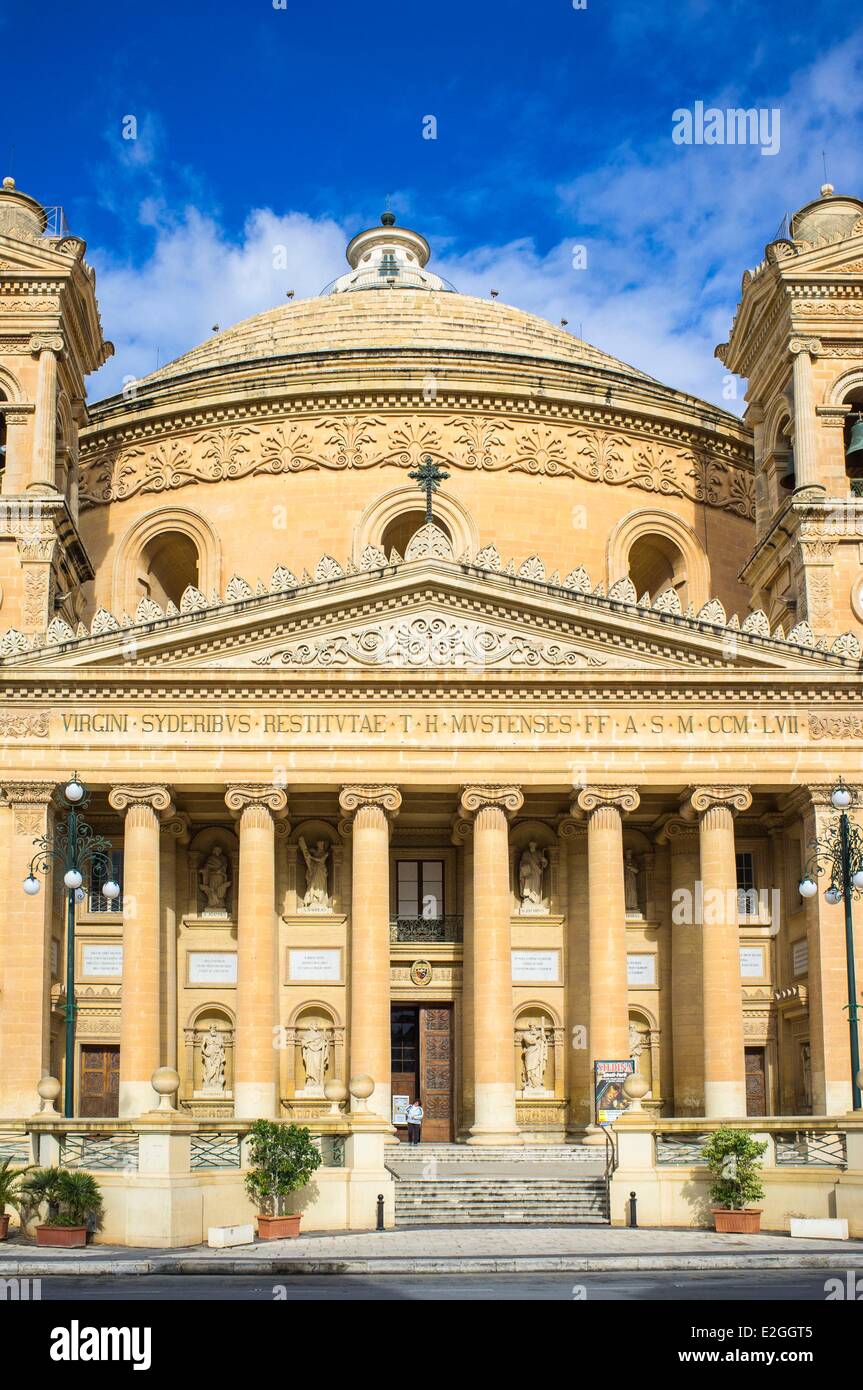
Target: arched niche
pixel 383 515
pixel 314 1040
pixel 534 869
pixel 639 856
pixel 211 852
pixel 664 552
pixel 644 1047
pixel 315 889
pixel 539 1052
pixel 209 1054
pixel 165 550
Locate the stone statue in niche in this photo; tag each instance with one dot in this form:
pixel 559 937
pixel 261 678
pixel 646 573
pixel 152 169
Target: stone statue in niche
pixel 531 867
pixel 215 881
pixel 630 882
pixel 315 1047
pixel 534 1056
pixel 637 1041
pixel 806 1074
pixel 213 1060
pixel 316 897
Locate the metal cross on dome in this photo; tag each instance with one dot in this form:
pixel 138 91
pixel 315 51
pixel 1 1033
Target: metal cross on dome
pixel 429 476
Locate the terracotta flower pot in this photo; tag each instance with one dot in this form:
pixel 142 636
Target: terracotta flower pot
pixel 4 1225
pixel 739 1223
pixel 69 1237
pixel 278 1227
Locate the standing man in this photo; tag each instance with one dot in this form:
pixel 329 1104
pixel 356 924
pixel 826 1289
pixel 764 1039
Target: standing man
pixel 414 1117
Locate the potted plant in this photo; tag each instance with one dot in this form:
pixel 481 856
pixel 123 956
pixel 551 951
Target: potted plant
pixel 10 1182
pixel 282 1158
pixel 734 1160
pixel 73 1200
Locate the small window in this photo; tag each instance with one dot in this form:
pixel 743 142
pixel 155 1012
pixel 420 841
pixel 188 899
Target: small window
pixel 747 894
pixel 97 901
pixel 404 1035
pixel 420 888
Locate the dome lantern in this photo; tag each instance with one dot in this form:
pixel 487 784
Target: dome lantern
pixel 388 257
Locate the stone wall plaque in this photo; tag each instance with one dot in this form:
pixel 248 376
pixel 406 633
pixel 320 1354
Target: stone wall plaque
pixel 752 966
pixel 102 960
pixel 318 966
pixel 641 970
pixel 529 967
pixel 212 967
pixel 800 956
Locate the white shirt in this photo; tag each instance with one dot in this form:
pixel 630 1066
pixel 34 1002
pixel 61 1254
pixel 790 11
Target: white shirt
pixel 414 1115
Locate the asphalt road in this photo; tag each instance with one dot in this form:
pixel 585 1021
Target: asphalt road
pixel 734 1286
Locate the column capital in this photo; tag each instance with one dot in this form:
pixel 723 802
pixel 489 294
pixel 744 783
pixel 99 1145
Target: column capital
pixel 177 827
pixel 679 833
pixel 28 793
pixel 508 799
pixel 45 342
pixel 157 797
pixel 387 797
pixel 460 830
pixel 572 828
pixel 591 799
pixel 810 345
pixel 734 798
pixel 241 795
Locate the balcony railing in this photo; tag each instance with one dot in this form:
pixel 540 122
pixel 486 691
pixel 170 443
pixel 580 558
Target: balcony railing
pixel 427 929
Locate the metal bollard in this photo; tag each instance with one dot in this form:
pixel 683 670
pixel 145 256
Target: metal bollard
pixel 380 1224
pixel 633 1211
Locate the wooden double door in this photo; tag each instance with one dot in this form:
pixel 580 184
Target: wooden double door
pixel 423 1064
pixel 99 1092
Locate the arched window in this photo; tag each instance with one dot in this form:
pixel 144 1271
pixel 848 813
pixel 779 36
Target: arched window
pixel 397 533
pixel 2 444
pixel 656 564
pixel 854 436
pixel 167 565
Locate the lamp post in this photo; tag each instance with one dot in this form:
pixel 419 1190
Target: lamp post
pixel 839 853
pixel 75 849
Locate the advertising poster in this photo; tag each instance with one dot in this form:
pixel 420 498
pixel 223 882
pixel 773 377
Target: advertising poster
pixel 608 1089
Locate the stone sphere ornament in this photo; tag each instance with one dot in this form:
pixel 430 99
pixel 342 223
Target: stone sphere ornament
pixel 166 1083
pixel 361 1088
pixel 336 1093
pixel 635 1088
pixel 48 1090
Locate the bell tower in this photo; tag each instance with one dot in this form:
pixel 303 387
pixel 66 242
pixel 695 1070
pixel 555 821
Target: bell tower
pixel 797 337
pixel 50 340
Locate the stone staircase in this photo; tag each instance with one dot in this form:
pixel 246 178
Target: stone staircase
pixel 539 1184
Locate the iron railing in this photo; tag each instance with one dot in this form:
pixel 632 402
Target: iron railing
pixel 427 929
pixel 106 1152
pixel 818 1149
pixel 215 1151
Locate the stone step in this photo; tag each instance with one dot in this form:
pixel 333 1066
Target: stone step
pixel 496 1201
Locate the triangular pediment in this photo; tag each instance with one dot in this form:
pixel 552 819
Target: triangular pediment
pixel 430 613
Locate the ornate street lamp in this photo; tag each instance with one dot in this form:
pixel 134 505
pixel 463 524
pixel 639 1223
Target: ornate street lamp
pixel 839 853
pixel 76 850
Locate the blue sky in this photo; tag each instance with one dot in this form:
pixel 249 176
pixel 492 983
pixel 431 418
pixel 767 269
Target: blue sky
pixel 260 127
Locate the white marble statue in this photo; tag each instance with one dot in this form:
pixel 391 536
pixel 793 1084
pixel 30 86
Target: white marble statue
pixel 630 881
pixel 213 1060
pixel 215 880
pixel 531 867
pixel 534 1056
pixel 316 896
pixel 637 1041
pixel 316 1052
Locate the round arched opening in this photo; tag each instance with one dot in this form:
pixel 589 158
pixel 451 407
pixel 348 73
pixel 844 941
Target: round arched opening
pixel 2 443
pixel 399 532
pixel 854 441
pixel 167 565
pixel 656 563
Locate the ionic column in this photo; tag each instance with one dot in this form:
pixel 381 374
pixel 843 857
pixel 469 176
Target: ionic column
pixel 724 1068
pixel 608 1016
pixel 370 809
pixel 25 948
pixel 255 1052
pixel 140 1002
pixel 578 1066
pixel 805 443
pixel 462 836
pixel 491 970
pixel 175 831
pixel 827 977
pixel 43 476
pixel 687 1013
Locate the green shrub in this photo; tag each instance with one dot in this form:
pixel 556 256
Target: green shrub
pixel 10 1184
pixel 282 1159
pixel 72 1196
pixel 734 1159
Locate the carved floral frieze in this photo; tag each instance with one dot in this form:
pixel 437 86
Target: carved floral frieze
pixel 467 442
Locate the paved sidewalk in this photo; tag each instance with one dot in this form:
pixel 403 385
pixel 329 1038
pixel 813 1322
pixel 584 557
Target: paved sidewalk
pixel 449 1250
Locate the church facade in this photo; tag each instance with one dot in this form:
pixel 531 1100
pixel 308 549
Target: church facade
pixel 465 781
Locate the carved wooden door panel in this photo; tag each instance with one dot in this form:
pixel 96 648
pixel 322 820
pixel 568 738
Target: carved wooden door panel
pixel 756 1082
pixel 100 1081
pixel 436 1072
